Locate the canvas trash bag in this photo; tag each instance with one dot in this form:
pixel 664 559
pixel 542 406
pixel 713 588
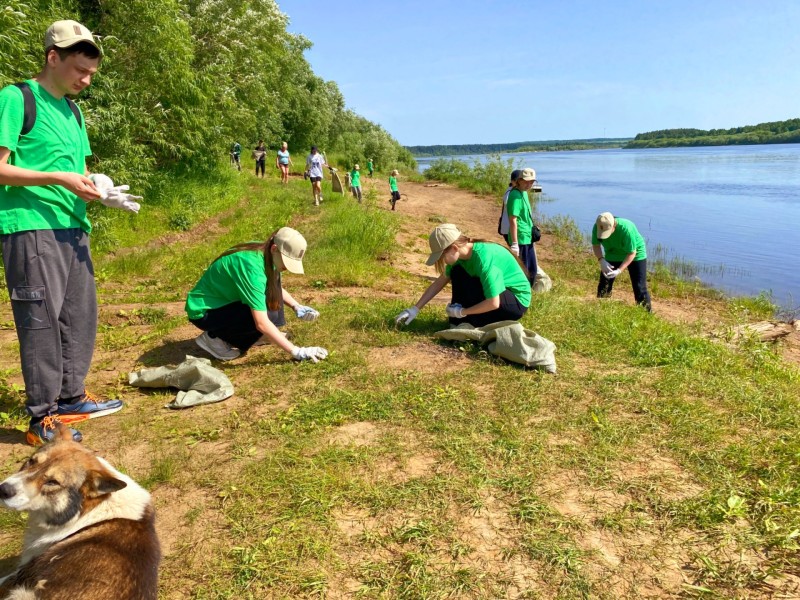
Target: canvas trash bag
pixel 508 340
pixel 199 381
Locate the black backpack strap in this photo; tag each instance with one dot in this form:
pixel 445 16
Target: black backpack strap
pixel 30 108
pixel 29 119
pixel 75 111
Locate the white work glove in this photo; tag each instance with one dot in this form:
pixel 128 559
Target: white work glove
pixel 114 196
pixel 612 274
pixel 514 249
pixel 605 266
pixel 306 313
pixel 312 353
pixel 455 310
pixel 408 315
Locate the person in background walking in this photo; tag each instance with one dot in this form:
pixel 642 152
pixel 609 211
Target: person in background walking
pixel 489 283
pixel 520 221
pixel 260 154
pixel 393 187
pixel 44 189
pixel 282 161
pixel 618 245
pixel 355 182
pixel 236 154
pixel 314 164
pixel 239 299
pixel 370 167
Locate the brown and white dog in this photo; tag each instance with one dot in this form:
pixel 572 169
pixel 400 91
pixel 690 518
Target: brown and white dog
pixel 91 530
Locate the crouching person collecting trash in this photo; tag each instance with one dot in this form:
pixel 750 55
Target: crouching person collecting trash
pixel 618 245
pixel 489 283
pixel 239 298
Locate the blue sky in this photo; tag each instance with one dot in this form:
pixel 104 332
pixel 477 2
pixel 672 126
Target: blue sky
pixel 458 72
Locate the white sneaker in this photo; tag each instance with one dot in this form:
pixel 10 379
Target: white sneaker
pixel 219 349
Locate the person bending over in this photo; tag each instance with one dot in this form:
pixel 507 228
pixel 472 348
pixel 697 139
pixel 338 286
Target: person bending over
pixel 489 283
pixel 239 298
pixel 618 245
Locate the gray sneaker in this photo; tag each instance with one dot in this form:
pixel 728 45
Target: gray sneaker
pixel 219 349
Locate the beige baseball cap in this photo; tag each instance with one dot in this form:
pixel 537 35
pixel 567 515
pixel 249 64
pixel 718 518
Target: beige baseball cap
pixel 292 246
pixel 605 225
pixel 63 34
pixel 440 238
pixel 527 175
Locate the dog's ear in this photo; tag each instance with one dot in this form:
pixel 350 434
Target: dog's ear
pixel 63 433
pixel 100 483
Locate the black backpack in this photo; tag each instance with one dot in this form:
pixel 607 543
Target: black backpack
pixel 30 109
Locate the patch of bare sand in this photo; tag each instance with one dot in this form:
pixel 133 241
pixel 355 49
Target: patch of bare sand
pixel 642 563
pixel 491 539
pixel 662 474
pixel 422 357
pixel 362 433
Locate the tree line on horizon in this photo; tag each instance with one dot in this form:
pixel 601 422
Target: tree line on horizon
pixel 774 132
pixel 534 146
pixel 181 80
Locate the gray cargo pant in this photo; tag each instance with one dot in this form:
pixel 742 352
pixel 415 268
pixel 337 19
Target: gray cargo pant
pixel 50 279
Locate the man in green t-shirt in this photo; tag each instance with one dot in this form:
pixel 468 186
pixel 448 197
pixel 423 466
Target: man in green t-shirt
pixel 618 245
pixel 44 188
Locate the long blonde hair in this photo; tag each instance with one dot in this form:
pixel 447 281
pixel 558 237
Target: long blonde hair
pixel 274 289
pixel 463 239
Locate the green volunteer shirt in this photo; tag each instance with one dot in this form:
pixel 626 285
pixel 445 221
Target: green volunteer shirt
pixel 393 183
pixel 56 143
pixel 237 277
pixel 519 206
pixel 625 240
pixel 355 178
pixel 369 165
pixel 498 271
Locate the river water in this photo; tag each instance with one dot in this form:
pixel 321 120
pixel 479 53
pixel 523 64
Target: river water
pixel 733 211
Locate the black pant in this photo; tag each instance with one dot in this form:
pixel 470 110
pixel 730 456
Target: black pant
pixel 638 272
pixel 527 256
pixel 234 324
pixel 261 164
pixel 468 291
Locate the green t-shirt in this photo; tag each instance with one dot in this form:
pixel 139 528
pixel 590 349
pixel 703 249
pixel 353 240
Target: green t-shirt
pixel 393 183
pixel 369 165
pixel 498 271
pixel 56 143
pixel 237 277
pixel 355 178
pixel 519 206
pixel 625 240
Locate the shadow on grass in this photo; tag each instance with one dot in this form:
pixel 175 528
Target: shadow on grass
pixel 8 565
pixel 171 353
pixel 12 437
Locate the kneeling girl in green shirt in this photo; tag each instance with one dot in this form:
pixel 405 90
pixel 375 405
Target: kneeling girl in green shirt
pixel 239 298
pixel 489 283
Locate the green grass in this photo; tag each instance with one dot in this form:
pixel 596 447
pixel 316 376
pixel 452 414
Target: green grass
pixel 452 474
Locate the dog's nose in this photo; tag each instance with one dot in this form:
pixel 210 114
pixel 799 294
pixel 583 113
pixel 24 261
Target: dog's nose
pixel 6 491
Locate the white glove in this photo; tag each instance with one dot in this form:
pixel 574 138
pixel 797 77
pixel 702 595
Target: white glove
pixel 455 310
pixel 515 249
pixel 408 315
pixel 114 196
pixel 312 353
pixel 306 313
pixel 605 266
pixel 612 274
